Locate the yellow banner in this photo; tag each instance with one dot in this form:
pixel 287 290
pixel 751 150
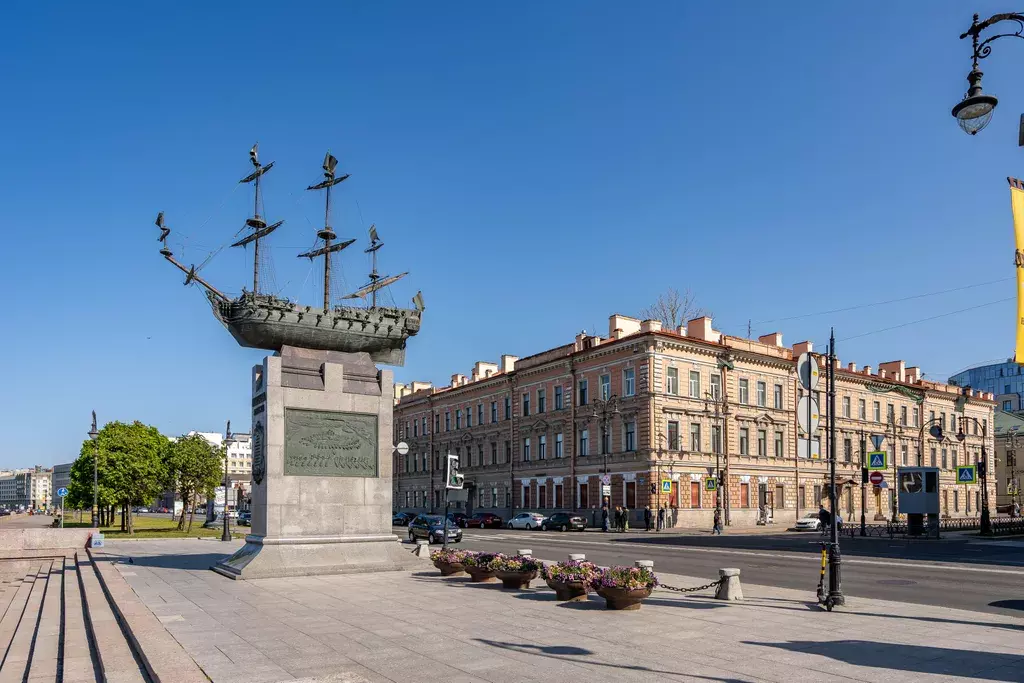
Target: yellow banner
pixel 1017 204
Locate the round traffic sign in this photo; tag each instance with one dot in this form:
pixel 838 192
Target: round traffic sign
pixel 402 448
pixel 876 478
pixel 62 492
pixel 606 478
pixel 807 371
pixel 808 423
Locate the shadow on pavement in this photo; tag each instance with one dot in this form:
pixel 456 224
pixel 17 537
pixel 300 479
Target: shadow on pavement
pixel 201 561
pixel 569 653
pixel 991 666
pixel 1008 604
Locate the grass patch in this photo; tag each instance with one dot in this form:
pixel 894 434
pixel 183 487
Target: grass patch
pixel 151 527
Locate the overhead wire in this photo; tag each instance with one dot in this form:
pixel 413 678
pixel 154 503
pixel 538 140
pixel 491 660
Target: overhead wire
pixel 934 317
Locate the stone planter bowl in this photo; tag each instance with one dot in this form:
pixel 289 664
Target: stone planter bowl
pixel 622 598
pixel 450 568
pixel 516 580
pixel 571 591
pixel 478 575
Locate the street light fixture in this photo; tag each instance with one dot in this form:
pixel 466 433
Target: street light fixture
pixel 95 435
pixel 975 110
pixel 721 409
pixel 228 441
pixel 986 519
pixel 604 410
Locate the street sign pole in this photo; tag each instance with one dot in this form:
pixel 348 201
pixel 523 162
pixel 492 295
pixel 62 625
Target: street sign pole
pixel 835 578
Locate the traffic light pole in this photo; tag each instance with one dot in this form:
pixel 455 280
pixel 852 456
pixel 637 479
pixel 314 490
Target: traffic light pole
pixel 444 544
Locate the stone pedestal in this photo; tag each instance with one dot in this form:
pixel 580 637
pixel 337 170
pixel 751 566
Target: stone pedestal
pixel 322 457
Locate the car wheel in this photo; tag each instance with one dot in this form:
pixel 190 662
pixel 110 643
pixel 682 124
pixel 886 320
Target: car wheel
pixel 564 528
pixel 463 524
pixel 543 527
pixel 528 527
pixel 412 536
pixel 509 525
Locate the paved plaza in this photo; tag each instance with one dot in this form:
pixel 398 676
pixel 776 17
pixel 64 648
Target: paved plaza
pixel 416 626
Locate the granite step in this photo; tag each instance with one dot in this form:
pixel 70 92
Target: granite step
pixel 78 662
pixel 45 654
pixel 19 627
pixel 117 661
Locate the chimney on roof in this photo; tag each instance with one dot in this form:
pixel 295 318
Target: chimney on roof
pixel 852 367
pixel 867 369
pixel 895 369
pixel 650 326
pixel 773 339
pixel 803 347
pixel 508 363
pixel 700 328
pixel 913 375
pixel 622 326
pixel 682 330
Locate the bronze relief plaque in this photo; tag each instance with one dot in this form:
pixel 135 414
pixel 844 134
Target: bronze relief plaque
pixel 324 443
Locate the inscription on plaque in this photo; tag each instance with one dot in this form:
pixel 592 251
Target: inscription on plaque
pixel 259 454
pixel 329 444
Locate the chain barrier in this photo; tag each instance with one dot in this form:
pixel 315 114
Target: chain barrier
pixel 674 589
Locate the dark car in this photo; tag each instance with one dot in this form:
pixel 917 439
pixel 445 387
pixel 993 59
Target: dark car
pixel 431 528
pixel 245 518
pixel 457 518
pixel 402 518
pixel 484 520
pixel 564 521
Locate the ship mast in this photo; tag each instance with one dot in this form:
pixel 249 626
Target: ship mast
pixel 327 234
pixel 258 225
pixel 377 281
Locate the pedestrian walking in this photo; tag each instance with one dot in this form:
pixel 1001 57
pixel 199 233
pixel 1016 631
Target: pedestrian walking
pixel 647 518
pixel 604 518
pixel 717 528
pixel 625 518
pixel 661 518
pixel 824 519
pixel 618 518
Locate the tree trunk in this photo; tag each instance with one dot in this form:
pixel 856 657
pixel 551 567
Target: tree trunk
pixel 131 522
pixel 192 500
pixel 185 495
pixel 124 522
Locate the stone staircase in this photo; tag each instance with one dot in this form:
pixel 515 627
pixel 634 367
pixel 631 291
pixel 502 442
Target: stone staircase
pixel 58 625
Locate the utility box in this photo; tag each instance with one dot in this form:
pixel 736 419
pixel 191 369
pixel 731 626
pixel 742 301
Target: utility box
pixel 918 498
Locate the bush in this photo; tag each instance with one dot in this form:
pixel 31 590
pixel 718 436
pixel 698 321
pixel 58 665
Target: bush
pixel 572 571
pixel 482 561
pixel 628 578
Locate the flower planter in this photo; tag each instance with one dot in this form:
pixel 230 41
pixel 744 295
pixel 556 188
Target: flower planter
pixel 569 591
pixel 478 575
pixel 623 598
pixel 450 568
pixel 516 580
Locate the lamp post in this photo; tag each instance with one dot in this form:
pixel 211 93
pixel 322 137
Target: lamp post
pixel 604 410
pixel 974 111
pixel 95 435
pixel 228 440
pixel 986 519
pixel 721 409
pixel 892 423
pixel 863 492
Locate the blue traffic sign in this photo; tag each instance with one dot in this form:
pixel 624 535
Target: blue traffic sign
pixel 966 475
pixel 62 492
pixel 877 460
pixel 876 441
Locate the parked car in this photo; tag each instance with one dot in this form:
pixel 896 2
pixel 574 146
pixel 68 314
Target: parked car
pixel 525 520
pixel 5 513
pixel 484 520
pixel 244 518
pixel 810 522
pixel 564 521
pixel 458 518
pixel 402 518
pixel 142 510
pixel 431 528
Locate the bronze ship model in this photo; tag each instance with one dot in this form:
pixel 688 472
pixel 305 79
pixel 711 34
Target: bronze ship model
pixel 266 321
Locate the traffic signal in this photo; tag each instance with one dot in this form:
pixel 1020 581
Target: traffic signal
pixel 654 489
pixel 454 479
pixel 982 467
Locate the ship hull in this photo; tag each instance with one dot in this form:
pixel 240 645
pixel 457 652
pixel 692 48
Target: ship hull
pixel 264 322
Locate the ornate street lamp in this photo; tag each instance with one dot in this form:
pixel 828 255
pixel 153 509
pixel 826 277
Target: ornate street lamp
pixel 605 410
pixel 974 111
pixel 95 435
pixel 229 440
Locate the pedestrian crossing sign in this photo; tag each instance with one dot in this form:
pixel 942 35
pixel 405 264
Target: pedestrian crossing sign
pixel 710 483
pixel 666 486
pixel 878 460
pixel 966 475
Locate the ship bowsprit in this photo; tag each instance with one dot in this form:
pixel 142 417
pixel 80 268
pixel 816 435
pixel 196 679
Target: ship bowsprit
pixel 266 322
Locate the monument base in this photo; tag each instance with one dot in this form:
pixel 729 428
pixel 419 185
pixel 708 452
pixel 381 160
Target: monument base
pixel 266 558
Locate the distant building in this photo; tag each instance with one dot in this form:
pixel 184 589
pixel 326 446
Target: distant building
pixel 1005 380
pixel 239 452
pixel 27 487
pixel 1009 469
pixel 61 478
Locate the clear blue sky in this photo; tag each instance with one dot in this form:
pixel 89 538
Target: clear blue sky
pixel 537 166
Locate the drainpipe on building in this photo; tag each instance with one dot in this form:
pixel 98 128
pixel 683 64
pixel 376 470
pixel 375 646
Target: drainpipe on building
pixel 512 447
pixel 796 446
pixel 430 450
pixel 572 431
pixel 725 444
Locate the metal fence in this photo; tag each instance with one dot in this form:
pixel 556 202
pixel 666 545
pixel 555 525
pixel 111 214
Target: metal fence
pixel 1000 527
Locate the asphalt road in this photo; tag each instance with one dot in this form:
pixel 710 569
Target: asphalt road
pixel 963 573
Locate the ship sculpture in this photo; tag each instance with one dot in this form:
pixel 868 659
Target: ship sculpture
pixel 265 321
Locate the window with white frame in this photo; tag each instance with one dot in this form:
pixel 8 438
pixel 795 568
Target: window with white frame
pixel 744 391
pixel 695 384
pixel 903 415
pixel 762 394
pixel 630 436
pixel 628 382
pixel 862 411
pixel 695 437
pixel 673 435
pixel 846 406
pixel 903 454
pixel 762 443
pixel 558 445
pixel 604 383
pixel 672 381
pixel 876 408
pixel 917 417
pixel 779 452
pixel 542 447
pixel 778 397
pixel 744 441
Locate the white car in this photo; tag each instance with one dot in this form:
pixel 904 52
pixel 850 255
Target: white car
pixel 810 522
pixel 525 520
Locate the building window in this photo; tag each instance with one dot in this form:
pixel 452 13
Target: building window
pixel 480 413
pixel 526 449
pixel 917 417
pixel 494 456
pixel 508 451
pixel 447 421
pixel 846 406
pixel 695 437
pixel 437 423
pixel 694 384
pixel 469 417
pixel 780 496
pixel 744 391
pixel 494 496
pixel 583 392
pixel 558 397
pixel 862 411
pixel 480 454
pixel 605 435
pixel 778 445
pixel 903 454
pixel 508 407
pixel 933 457
pixel 629 382
pixel 744 441
pixel 541 400
pixel 558 445
pixel 890 413
pixel 526 404
pixel 415 428
pixel 778 397
pixel 584 441
pixel 458 419
pixel 716 439
pixel 494 412
pixel 673 435
pixel 877 411
pixel 762 443
pixel 903 415
pixel 716 387
pixel 953 460
pixel 630 436
pixel 605 386
pixel 744 494
pixel 762 394
pixel 847 450
pixel 944 460
pixel 542 447
pixel 672 381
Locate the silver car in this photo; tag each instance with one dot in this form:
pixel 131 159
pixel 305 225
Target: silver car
pixel 525 520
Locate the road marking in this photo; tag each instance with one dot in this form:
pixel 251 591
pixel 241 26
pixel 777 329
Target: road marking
pixel 754 553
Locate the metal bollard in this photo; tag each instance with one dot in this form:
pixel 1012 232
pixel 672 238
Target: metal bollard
pixel 730 588
pixel 578 557
pixel 640 564
pixel 525 552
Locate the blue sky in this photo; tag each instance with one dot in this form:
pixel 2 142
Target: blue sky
pixel 537 166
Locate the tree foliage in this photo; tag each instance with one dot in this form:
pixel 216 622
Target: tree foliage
pixel 193 468
pixel 131 470
pixel 674 308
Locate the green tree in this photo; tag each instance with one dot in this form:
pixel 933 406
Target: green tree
pixel 131 470
pixel 193 468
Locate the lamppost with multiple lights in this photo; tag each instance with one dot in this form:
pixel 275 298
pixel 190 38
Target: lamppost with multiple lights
pixel 894 487
pixel 228 440
pixel 95 435
pixel 719 413
pixel 974 111
pixel 604 411
pixel 961 435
